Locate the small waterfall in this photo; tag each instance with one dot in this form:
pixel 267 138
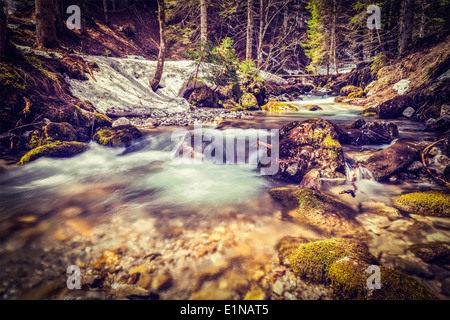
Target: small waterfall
pixel 355 172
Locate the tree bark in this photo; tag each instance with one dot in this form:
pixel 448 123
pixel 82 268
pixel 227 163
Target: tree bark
pixel 249 49
pixel 4 40
pixel 406 24
pixel 154 83
pixel 45 24
pixel 203 22
pixel 105 11
pixel 82 5
pixel 262 25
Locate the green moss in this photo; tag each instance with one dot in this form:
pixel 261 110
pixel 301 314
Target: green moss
pixel 313 260
pixel 54 150
pixel 349 280
pixel 312 107
pixel 117 137
pixel 60 131
pixel 330 143
pixel 102 120
pixel 276 106
pixel 430 203
pixel 356 94
pixel 249 102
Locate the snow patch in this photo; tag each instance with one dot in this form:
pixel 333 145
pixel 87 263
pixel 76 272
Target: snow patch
pixel 445 75
pixel 402 86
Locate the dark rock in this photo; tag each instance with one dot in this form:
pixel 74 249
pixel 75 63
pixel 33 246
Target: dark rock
pixel 394 107
pixel 60 131
pixel 345 91
pixel 307 145
pixel 432 252
pixel 377 132
pixel 203 97
pixel 385 162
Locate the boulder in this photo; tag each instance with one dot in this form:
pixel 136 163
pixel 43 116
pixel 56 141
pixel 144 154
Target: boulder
pixel 54 150
pixel 384 163
pixel 311 107
pixel 203 97
pixel 307 145
pixel 345 91
pixel 276 106
pixel 394 107
pixel 311 180
pixel 120 136
pixel 429 203
pixel 60 131
pixel 249 102
pixel 374 132
pixel 121 122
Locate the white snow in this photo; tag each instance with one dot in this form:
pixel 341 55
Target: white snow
pixel 402 86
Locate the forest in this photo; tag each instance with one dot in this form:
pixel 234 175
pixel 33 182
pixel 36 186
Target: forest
pixel 224 150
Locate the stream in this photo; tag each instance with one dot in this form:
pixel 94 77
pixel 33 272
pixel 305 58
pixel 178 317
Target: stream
pixel 197 231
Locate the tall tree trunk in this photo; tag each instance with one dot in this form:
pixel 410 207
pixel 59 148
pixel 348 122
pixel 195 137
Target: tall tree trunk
pixel 82 5
pixel 59 23
pixel 249 50
pixel 203 22
pixel 423 19
pixel 162 47
pixel 406 24
pixel 105 11
pixel 4 40
pixel 333 37
pixel 45 24
pixel 262 24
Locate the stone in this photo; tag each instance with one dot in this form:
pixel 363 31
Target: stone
pixel 121 122
pixel 432 251
pixel 394 107
pixel 278 287
pixel 119 136
pixel 382 164
pixel 55 150
pixel 429 203
pixel 311 180
pixel 442 159
pixel 377 132
pixel 433 151
pixel 347 90
pixel 81 226
pixel 445 110
pixel 408 112
pixel 307 145
pixel 162 282
pixel 415 166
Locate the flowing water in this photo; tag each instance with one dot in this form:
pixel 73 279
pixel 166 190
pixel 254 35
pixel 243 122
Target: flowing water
pixel 200 231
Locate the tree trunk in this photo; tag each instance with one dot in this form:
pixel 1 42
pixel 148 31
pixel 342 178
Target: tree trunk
pixel 105 10
pixel 262 24
pixel 162 47
pixel 406 24
pixel 203 22
pixel 59 23
pixel 249 50
pixel 82 5
pixel 4 40
pixel 423 19
pixel 45 24
pixel 333 38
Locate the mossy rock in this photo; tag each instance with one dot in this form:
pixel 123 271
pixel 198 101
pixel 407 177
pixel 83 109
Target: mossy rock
pixel 347 90
pixel 203 97
pixel 54 150
pixel 232 105
pixel 312 107
pixel 348 278
pixel 232 91
pixel 429 203
pixel 60 131
pixel 276 106
pixel 120 136
pixel 249 102
pixel 340 99
pixel 71 114
pixel 356 94
pixel 313 260
pixel 101 120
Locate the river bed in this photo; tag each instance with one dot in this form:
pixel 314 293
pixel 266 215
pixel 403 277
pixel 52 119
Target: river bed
pixel 135 220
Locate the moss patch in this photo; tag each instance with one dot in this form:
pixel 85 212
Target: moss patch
pixel 430 203
pixel 54 150
pixel 117 137
pixel 249 102
pixel 276 106
pixel 313 260
pixel 60 131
